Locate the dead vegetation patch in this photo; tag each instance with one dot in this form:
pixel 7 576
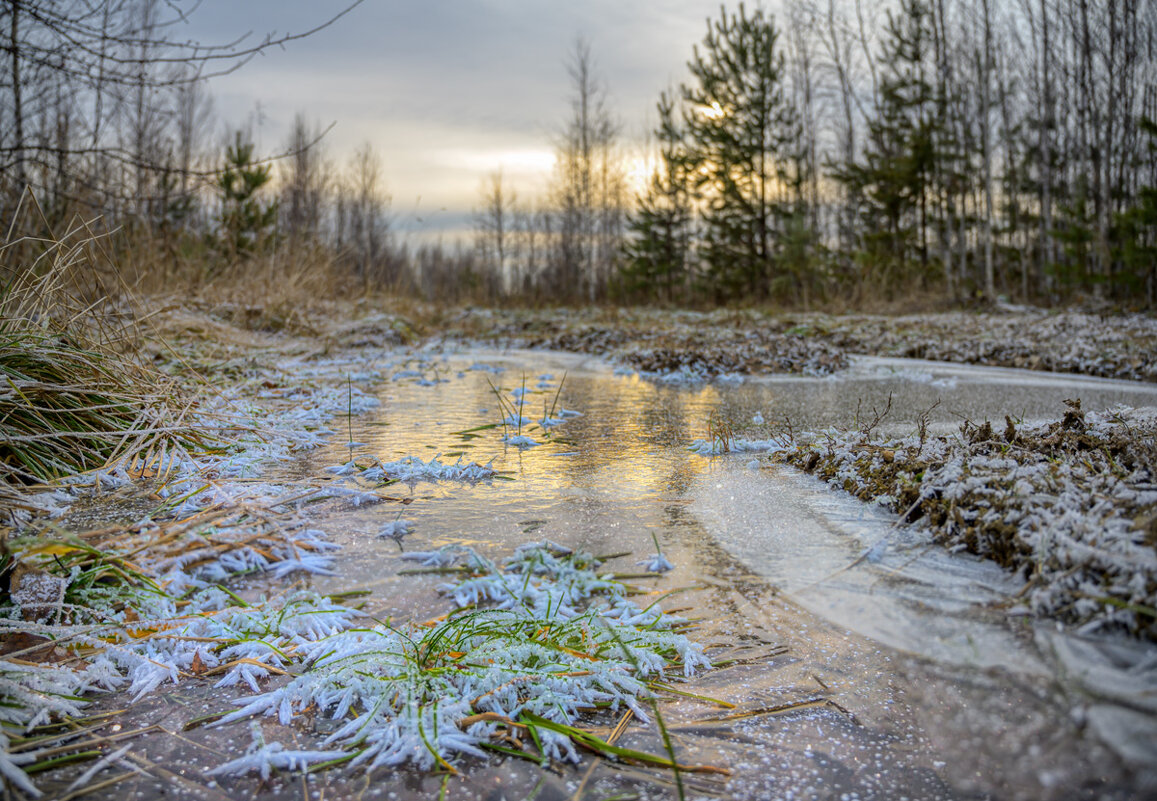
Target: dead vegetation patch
pixel 758 352
pixel 1068 504
pixel 1108 346
pixel 1104 345
pixel 665 342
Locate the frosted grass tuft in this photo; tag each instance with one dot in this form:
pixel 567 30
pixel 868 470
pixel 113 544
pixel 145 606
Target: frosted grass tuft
pixel 656 563
pixel 737 445
pixel 397 529
pixel 265 758
pixel 541 635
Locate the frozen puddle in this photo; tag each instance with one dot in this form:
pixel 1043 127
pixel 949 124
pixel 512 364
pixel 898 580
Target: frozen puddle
pixel 861 661
pixel 915 643
pixel 846 561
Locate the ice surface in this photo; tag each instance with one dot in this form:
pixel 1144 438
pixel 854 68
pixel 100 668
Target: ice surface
pixel 846 561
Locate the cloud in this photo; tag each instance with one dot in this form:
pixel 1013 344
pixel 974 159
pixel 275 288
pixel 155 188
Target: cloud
pixel 449 90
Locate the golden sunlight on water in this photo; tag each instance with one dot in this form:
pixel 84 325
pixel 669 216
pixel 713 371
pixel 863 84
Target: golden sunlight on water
pixel 621 441
pixel 768 562
pixel 608 477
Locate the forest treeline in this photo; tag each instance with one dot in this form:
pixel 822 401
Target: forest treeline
pixel 833 151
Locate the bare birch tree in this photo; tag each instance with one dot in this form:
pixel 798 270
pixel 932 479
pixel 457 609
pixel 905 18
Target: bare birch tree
pixel 588 189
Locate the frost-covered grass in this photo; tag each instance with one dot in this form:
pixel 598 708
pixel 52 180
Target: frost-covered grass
pixel 1071 504
pixel 721 439
pixel 147 605
pixel 515 417
pixel 71 401
pixel 683 348
pixel 209 635
pixel 656 562
pixel 1109 345
pixel 691 375
pixel 397 529
pixel 692 347
pixel 533 645
pixel 66 407
pixel 131 606
pixel 265 758
pixel 411 470
pixel 716 447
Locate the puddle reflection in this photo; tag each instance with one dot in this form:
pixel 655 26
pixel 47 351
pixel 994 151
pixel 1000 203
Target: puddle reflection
pixel 621 473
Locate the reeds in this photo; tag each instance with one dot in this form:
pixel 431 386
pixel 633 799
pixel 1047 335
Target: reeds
pixel 720 434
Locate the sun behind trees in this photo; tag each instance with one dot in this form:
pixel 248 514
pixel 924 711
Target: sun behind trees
pixel 952 150
pixel 735 154
pixel 944 165
pixel 830 154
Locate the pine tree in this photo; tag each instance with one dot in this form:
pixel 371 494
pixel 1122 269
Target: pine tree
pixel 743 132
pixel 657 253
pixel 1075 232
pixel 245 220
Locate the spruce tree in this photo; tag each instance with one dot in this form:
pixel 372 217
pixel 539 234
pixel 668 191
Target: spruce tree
pixel 1135 233
pixel 893 180
pixel 245 220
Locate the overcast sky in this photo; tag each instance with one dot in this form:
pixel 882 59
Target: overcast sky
pixel 448 91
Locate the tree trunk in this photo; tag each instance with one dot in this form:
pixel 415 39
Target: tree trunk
pixel 1045 146
pixel 17 100
pixel 984 67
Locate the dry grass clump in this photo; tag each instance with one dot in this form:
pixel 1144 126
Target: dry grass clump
pixel 292 287
pixel 65 408
pixel 72 394
pixel 287 290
